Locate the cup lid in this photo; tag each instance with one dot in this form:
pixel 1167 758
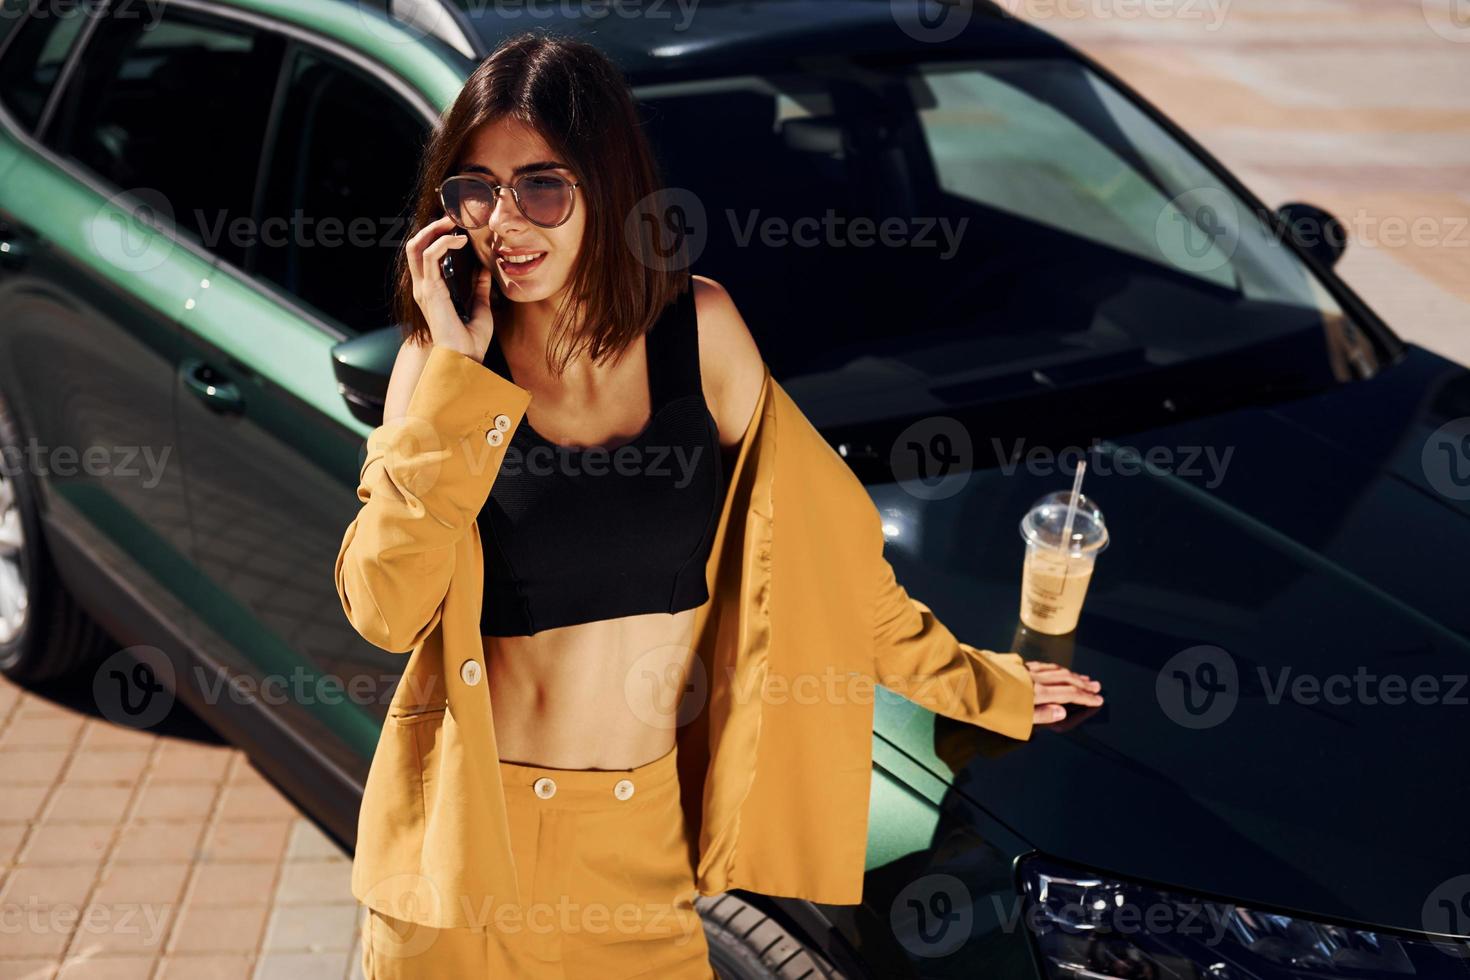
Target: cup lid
pixel 1043 523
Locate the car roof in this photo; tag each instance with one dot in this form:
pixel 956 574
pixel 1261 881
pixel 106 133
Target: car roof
pixel 735 36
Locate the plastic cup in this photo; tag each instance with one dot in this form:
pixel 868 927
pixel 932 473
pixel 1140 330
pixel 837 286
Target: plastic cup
pixel 1054 579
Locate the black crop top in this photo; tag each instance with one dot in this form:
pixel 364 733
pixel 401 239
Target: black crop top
pixel 574 535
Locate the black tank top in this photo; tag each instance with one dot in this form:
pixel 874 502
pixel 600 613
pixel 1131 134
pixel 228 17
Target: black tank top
pixel 574 535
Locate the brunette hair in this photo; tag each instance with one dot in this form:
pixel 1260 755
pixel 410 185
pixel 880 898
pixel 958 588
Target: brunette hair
pixel 570 93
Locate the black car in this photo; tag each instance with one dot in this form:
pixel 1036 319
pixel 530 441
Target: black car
pixel 973 257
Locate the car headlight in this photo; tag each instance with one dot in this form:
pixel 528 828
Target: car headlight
pixel 1089 926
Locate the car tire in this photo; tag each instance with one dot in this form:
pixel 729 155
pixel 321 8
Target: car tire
pixel 747 944
pixel 44 634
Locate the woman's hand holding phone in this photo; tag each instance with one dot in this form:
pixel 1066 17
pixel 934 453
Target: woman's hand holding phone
pixel 431 292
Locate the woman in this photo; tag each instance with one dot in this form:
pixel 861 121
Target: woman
pixel 641 383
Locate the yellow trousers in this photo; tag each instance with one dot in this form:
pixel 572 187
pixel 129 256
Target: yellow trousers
pixel 601 859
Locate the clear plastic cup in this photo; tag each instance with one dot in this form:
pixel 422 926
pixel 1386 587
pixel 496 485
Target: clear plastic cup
pixel 1054 580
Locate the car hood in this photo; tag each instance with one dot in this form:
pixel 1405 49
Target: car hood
pixel 1321 558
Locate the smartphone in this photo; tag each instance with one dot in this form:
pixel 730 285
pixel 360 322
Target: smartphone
pixel 461 268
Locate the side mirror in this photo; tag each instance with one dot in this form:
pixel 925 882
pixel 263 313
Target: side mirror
pixel 1318 232
pixel 363 366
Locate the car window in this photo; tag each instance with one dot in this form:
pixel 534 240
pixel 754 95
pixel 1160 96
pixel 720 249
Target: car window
pixel 33 58
pixel 175 110
pixel 908 234
pixel 337 193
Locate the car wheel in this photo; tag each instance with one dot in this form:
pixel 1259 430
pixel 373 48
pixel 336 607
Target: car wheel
pixel 747 944
pixel 44 635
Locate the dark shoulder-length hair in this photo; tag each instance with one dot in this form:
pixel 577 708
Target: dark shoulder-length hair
pixel 578 101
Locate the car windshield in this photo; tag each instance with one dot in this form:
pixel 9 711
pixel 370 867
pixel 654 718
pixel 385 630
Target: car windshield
pixel 902 237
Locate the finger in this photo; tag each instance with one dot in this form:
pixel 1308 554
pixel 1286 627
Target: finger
pixel 416 244
pixel 1063 676
pixel 1065 693
pixel 436 251
pixel 1045 714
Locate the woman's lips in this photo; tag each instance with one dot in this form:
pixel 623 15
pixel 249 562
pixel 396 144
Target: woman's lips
pixel 517 269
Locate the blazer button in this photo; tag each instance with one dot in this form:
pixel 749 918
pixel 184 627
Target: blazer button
pixel 494 437
pixel 502 422
pixel 545 787
pixel 623 789
pixel 469 672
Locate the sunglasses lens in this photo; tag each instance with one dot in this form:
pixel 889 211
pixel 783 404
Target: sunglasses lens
pixel 467 201
pixel 545 198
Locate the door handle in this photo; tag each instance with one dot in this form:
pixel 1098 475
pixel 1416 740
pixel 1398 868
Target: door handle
pixel 212 386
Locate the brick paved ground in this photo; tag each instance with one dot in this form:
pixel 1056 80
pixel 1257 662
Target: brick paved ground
pixel 141 855
pixel 1359 106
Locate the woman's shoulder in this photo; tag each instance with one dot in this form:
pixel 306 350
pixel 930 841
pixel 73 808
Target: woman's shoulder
pixel 730 363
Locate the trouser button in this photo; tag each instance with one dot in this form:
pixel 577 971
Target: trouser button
pixel 545 787
pixel 623 789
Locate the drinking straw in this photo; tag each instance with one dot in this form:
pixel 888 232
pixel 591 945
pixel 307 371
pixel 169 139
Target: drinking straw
pixel 1072 507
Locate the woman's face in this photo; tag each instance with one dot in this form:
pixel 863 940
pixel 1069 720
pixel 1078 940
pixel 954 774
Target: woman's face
pixel 497 151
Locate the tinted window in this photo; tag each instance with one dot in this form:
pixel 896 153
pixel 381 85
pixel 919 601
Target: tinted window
pixel 338 191
pixel 34 57
pixel 958 232
pixel 177 106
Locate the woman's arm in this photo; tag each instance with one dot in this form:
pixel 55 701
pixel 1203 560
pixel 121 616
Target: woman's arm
pixel 426 476
pixel 920 658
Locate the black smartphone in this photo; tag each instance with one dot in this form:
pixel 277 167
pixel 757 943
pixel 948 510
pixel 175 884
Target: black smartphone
pixel 461 268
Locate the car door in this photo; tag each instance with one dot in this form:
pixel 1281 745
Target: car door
pixel 271 449
pixel 93 279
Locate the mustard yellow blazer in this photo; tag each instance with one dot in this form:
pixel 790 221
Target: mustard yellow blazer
pixel 804 617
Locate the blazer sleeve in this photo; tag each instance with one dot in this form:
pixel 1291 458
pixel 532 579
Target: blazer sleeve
pixel 917 656
pixel 423 482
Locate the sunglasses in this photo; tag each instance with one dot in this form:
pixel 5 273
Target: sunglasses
pixel 544 197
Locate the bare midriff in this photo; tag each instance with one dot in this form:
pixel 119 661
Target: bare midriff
pixel 600 695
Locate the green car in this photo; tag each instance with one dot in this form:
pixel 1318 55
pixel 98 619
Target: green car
pixel 200 201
